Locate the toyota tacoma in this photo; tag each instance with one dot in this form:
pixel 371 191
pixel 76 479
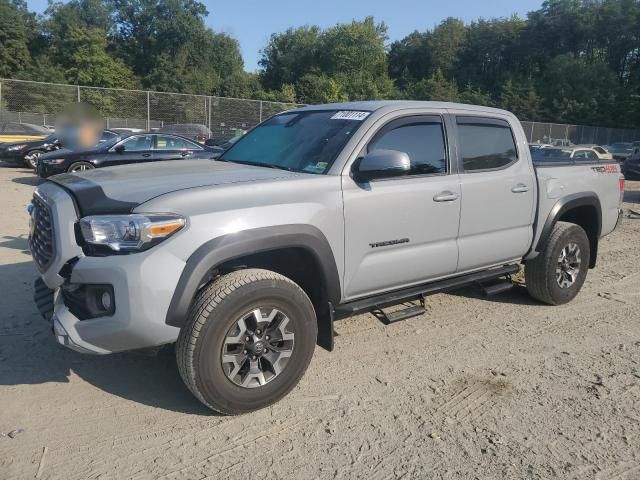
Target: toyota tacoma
pixel 246 261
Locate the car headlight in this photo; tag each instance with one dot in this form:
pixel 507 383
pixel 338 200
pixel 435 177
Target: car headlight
pixel 13 148
pixel 52 161
pixel 130 233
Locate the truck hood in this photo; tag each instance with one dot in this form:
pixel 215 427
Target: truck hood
pixel 121 189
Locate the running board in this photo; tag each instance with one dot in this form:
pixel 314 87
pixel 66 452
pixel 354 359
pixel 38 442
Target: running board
pixel 496 288
pixel 398 315
pixel 397 296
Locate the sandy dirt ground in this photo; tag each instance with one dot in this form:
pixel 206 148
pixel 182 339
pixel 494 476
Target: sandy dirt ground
pixel 497 388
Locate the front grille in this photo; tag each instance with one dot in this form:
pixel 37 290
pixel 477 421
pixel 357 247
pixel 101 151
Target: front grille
pixel 41 237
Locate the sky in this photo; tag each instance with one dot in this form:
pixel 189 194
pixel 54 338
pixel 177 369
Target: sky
pixel 252 22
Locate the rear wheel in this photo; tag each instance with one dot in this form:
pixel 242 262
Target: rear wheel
pixel 248 340
pixel 31 158
pixel 80 167
pixel 556 275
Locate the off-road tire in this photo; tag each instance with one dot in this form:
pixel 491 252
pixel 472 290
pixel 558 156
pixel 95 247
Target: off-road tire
pixel 214 311
pixel 540 273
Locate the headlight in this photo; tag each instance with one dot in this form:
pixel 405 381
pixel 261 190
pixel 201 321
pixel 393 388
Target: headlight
pixel 52 161
pixel 13 148
pixel 130 233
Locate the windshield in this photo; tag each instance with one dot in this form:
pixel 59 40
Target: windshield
pixel 107 144
pixel 306 141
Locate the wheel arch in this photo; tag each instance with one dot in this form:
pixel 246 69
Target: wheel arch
pixel 300 252
pixel 582 209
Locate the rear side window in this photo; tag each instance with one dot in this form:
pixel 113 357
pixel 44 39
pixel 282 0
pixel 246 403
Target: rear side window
pixel 485 143
pixel 585 156
pixel 423 141
pixel 168 142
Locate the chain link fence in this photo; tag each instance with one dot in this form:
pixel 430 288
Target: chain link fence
pixel 39 103
pixel 564 135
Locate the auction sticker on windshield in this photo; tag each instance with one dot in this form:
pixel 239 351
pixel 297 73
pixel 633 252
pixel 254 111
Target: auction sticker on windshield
pixel 350 115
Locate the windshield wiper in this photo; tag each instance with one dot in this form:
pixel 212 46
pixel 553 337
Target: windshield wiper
pixel 259 164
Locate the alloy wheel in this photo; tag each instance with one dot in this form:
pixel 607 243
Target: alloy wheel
pixel 257 348
pixel 568 266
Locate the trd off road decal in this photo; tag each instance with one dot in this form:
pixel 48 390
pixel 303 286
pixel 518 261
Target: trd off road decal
pixel 609 168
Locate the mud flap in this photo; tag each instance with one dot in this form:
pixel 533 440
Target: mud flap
pixel 325 329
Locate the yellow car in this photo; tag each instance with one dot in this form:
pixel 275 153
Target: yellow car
pixel 18 132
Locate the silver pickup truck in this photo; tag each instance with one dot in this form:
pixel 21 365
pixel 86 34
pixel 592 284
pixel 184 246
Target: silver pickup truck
pixel 315 214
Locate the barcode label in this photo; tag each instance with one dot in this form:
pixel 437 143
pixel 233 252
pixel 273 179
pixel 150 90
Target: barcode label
pixel 349 115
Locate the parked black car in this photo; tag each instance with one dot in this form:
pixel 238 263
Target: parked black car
pixel 135 148
pixel 27 152
pixel 620 151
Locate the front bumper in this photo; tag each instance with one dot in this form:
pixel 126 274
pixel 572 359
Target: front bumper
pixel 46 170
pixel 12 157
pixel 143 285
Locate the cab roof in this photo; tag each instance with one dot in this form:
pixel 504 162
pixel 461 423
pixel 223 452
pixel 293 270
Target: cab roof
pixel 390 105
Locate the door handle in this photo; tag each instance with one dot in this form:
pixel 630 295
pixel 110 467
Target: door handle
pixel 520 188
pixel 445 196
pixel 146 155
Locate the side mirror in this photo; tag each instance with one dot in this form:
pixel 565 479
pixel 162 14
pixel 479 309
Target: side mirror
pixel 381 164
pixel 119 149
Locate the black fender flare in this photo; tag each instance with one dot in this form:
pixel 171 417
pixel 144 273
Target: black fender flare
pixel 235 245
pixel 566 204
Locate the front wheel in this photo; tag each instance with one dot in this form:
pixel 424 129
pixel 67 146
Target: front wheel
pixel 80 167
pixel 248 340
pixel 31 158
pixel 556 275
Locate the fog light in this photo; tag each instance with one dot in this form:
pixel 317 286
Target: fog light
pixel 106 300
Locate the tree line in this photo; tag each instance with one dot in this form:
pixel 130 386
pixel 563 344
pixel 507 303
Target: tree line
pixel 571 61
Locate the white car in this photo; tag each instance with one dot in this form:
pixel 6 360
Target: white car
pixel 602 152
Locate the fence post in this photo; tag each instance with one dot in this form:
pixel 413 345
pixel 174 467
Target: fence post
pixel 148 112
pixel 0 100
pixel 210 100
pixel 566 133
pixel 78 87
pixel 260 111
pixel 531 136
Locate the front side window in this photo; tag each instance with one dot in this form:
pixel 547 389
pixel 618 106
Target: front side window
pixel 307 141
pixel 138 142
pixel 485 144
pixel 169 142
pixel 422 141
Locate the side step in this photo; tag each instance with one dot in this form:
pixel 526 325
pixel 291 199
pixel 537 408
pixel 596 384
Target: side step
pixel 496 288
pixel 398 315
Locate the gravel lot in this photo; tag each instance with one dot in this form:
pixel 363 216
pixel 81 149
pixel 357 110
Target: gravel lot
pixel 476 388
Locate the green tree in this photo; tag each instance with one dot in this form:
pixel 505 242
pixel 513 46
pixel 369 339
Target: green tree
pixel 436 88
pixel 289 56
pixel 16 27
pixel 312 88
pixel 170 48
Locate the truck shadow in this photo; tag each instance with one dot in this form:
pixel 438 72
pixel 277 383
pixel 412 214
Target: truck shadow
pixel 517 295
pixel 34 181
pixel 29 355
pixel 631 196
